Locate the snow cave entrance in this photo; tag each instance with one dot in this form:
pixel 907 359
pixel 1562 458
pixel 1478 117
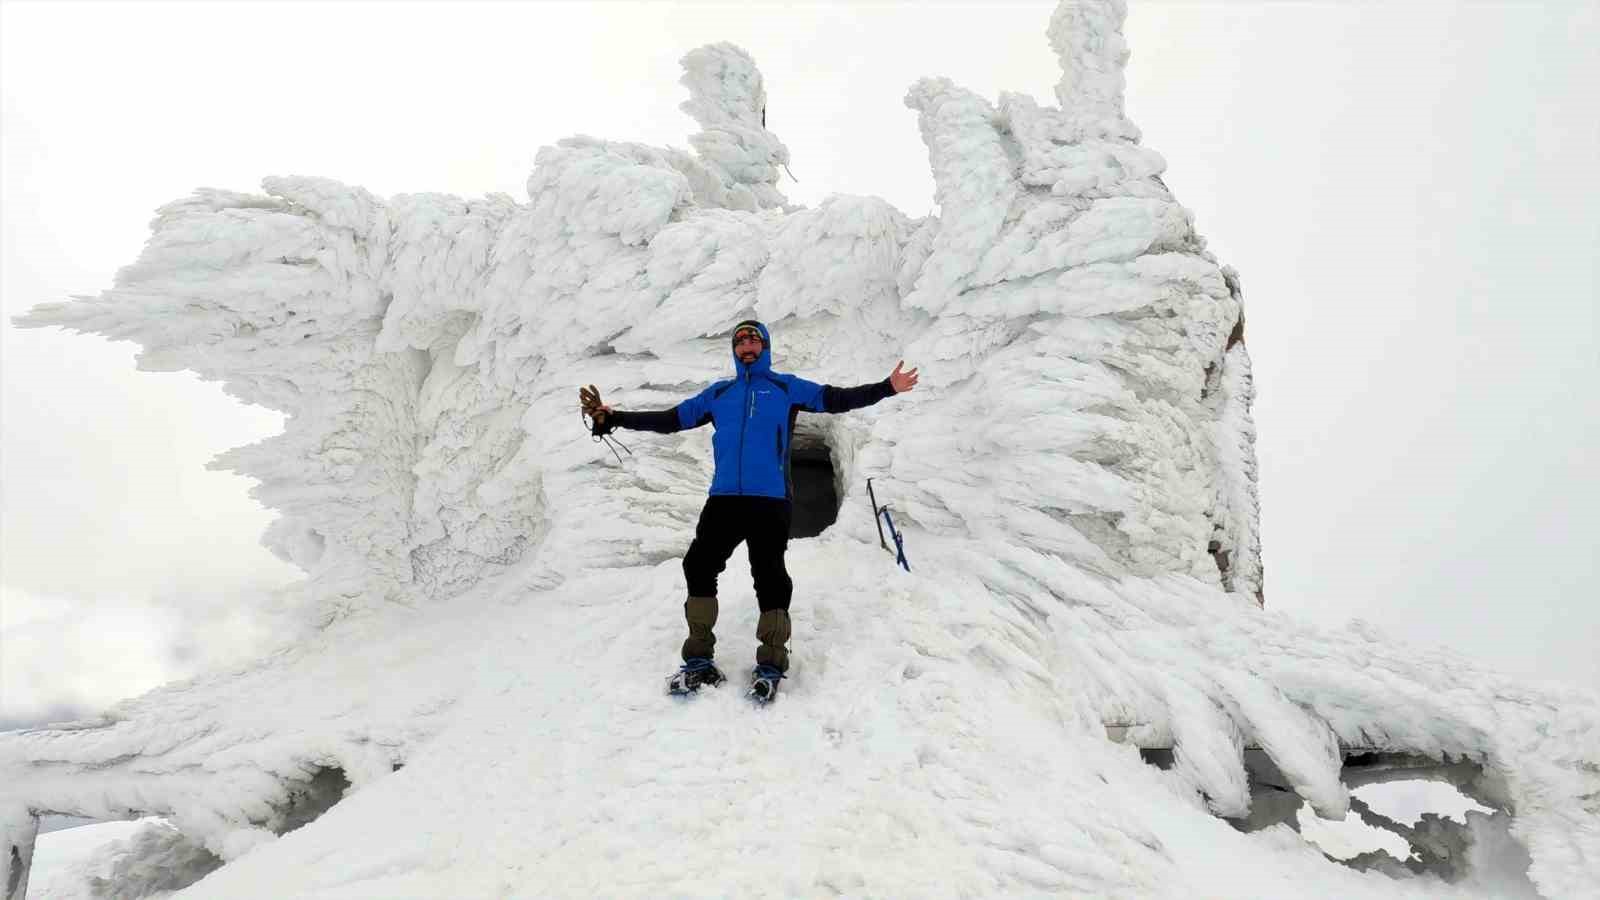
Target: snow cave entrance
pixel 815 483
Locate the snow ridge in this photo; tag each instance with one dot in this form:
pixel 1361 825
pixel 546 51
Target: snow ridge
pixel 1075 475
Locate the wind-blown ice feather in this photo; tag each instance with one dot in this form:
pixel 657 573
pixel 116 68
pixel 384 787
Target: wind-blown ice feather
pixel 1076 474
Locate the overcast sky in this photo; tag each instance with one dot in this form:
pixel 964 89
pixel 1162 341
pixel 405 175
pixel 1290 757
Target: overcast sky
pixel 1408 190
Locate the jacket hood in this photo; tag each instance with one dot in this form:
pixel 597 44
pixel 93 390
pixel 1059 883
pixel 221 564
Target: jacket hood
pixel 763 363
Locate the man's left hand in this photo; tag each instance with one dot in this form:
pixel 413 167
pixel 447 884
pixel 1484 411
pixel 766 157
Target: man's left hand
pixel 902 381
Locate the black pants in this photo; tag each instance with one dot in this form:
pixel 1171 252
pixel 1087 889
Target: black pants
pixel 762 523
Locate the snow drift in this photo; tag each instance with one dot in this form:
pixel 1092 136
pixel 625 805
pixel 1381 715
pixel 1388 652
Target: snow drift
pixel 471 707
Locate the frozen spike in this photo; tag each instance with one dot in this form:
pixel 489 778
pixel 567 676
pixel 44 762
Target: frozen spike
pixel 1208 750
pixel 1303 748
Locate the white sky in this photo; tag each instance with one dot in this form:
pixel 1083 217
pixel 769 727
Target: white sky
pixel 1408 190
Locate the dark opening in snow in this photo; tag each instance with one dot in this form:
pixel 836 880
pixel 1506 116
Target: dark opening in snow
pixel 1221 557
pixel 312 798
pixel 816 499
pixel 1438 815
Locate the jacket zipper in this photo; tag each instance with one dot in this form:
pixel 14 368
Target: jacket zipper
pixel 750 409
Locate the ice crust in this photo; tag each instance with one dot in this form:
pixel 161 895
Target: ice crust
pixel 490 595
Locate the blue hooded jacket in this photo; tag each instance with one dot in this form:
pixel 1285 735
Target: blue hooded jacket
pixel 753 414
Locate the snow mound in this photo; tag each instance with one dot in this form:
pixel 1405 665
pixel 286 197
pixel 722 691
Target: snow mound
pixel 147 858
pixel 472 707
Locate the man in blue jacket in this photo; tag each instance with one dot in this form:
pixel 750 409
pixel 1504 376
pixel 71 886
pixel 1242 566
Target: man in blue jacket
pixel 753 415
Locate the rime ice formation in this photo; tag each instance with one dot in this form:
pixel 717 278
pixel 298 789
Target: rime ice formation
pixel 474 708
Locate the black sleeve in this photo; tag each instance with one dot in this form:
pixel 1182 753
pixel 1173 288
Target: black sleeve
pixel 662 421
pixel 838 399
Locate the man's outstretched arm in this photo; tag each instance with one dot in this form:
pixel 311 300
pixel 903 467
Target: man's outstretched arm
pixel 830 399
pixel 691 413
pixel 662 421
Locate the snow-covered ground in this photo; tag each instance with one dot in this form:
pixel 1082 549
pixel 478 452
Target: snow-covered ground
pixel 493 600
pixel 921 748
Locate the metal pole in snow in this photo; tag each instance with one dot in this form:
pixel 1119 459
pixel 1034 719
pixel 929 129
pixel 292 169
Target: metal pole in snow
pixel 874 498
pixel 880 514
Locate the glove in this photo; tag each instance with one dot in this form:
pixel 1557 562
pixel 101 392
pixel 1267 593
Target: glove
pixel 597 412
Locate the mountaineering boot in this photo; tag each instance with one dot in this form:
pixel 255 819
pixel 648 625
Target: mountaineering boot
pixel 694 673
pixel 701 614
pixel 772 657
pixel 764 684
pixel 772 630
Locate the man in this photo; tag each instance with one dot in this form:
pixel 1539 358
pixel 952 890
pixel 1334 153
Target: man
pixel 751 498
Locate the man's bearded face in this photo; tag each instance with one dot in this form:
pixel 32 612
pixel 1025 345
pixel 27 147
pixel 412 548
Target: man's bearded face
pixel 747 345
